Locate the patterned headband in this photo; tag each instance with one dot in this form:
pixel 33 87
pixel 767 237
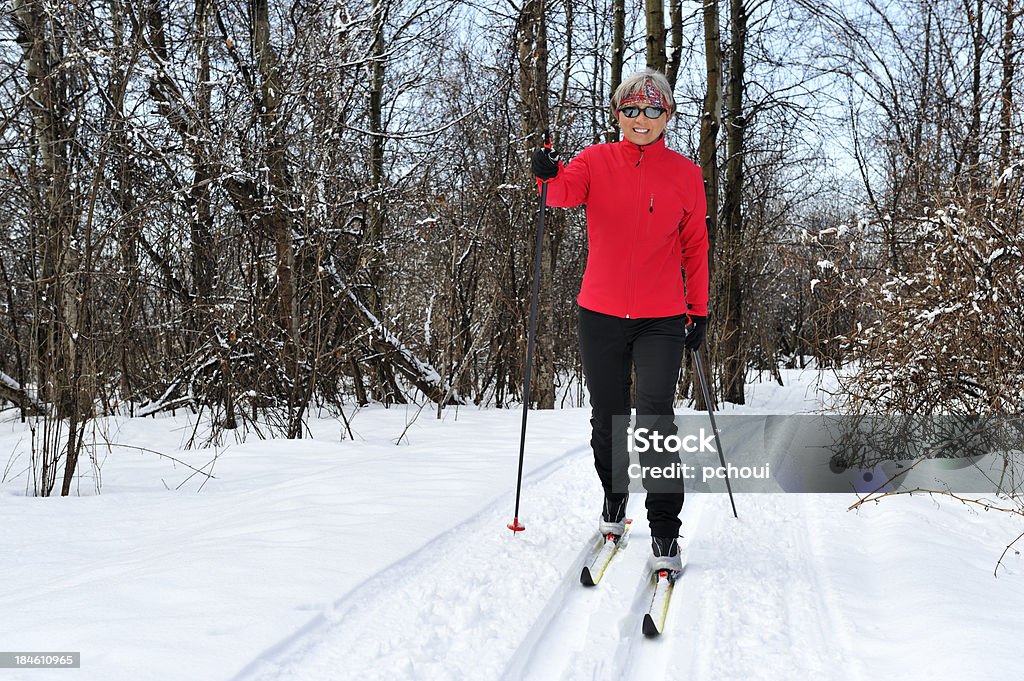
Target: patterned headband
pixel 647 95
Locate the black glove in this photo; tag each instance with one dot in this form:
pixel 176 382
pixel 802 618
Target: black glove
pixel 695 332
pixel 544 163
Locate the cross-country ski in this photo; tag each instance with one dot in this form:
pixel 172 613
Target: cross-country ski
pixel 605 550
pixel 663 584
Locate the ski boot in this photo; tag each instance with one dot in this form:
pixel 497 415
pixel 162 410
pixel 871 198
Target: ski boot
pixel 665 555
pixel 613 515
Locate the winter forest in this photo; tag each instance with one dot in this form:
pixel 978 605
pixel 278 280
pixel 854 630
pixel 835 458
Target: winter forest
pixel 266 289
pixel 255 209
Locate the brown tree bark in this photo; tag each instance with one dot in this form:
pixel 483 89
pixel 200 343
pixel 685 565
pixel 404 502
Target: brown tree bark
pixel 711 118
pixel 975 19
pixel 1006 89
pixel 732 343
pixel 63 362
pixel 57 297
pixel 385 386
pixel 618 47
pixel 129 224
pixel 925 85
pixel 203 262
pixel 533 96
pixel 655 12
pixel 275 213
pixel 675 55
pixel 710 123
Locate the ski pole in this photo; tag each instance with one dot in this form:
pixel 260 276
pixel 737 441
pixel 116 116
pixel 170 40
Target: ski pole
pixel 702 378
pixel 515 525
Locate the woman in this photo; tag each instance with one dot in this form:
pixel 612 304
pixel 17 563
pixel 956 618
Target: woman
pixel 646 226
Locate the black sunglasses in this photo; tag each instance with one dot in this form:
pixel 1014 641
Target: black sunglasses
pixel 651 112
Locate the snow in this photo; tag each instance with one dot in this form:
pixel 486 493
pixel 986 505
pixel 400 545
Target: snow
pixel 335 558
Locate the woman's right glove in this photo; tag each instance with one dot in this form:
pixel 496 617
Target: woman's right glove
pixel 544 163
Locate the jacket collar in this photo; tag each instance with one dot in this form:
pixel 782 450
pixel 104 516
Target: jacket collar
pixel 635 152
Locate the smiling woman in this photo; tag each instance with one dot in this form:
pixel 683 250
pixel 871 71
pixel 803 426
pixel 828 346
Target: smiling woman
pixel 642 106
pixel 646 227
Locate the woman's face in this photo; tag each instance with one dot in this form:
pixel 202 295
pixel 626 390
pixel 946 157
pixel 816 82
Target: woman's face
pixel 642 130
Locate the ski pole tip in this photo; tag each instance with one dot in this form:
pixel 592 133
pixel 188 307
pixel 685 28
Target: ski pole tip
pixel 516 526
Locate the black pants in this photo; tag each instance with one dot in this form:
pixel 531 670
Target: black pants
pixel 610 347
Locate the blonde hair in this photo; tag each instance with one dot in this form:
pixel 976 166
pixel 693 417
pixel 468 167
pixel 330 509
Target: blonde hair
pixel 635 83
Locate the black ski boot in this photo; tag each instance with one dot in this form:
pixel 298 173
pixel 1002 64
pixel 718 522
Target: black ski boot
pixel 613 515
pixel 666 555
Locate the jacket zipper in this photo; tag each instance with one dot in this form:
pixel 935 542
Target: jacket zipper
pixel 636 230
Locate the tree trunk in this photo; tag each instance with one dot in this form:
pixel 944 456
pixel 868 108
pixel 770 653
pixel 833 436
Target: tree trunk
pixel 710 122
pixel 57 302
pixel 675 14
pixel 618 46
pixel 11 386
pixel 275 213
pixel 732 344
pixel 129 224
pixel 1006 87
pixel 924 93
pixel 203 262
pixel 656 35
pixel 385 387
pixel 972 146
pixel 533 94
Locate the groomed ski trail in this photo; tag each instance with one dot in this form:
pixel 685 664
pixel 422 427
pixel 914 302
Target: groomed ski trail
pixel 754 598
pixel 595 633
pixel 480 603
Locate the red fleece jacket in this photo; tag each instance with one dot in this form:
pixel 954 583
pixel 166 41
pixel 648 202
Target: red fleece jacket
pixel 646 223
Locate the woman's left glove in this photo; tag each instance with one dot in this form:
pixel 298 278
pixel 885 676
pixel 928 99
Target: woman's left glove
pixel 695 331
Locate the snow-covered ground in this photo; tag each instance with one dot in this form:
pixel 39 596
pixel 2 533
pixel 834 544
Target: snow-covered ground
pixel 332 558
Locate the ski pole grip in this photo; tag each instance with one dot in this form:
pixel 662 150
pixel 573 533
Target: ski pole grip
pixel 547 139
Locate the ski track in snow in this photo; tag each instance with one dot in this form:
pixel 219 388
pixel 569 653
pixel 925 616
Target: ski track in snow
pixel 445 611
pixel 759 599
pixel 587 632
pixel 478 603
pixel 657 657
pixel 595 633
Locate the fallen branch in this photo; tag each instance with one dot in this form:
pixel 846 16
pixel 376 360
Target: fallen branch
pixel 983 503
pixel 12 391
pixel 152 451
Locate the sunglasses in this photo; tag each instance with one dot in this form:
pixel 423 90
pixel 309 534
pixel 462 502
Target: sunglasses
pixel 651 112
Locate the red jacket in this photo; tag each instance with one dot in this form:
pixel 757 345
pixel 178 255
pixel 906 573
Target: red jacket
pixel 646 222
